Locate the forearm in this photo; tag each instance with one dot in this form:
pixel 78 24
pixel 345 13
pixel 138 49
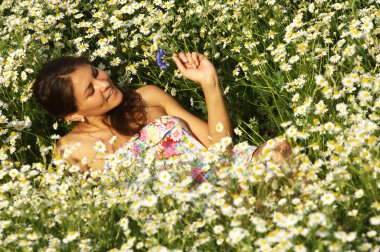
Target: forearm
pixel 198 68
pixel 217 111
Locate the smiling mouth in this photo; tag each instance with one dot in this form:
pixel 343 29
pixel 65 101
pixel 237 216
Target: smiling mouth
pixel 109 95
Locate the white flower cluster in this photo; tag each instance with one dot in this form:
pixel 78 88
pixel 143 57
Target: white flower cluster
pixel 319 57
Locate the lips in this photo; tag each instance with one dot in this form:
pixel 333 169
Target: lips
pixel 110 93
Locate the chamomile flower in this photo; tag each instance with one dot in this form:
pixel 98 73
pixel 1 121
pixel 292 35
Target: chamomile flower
pixel 335 58
pixel 375 220
pixel 55 125
pixel 150 201
pixel 376 205
pixel 328 198
pixel 115 61
pixel 359 193
pixel 236 235
pixel 294 59
pixel 320 108
pixel 144 175
pixel 367 25
pixel 285 67
pixel 218 229
pixel 55 136
pixel 112 140
pixel 205 188
pixel 342 109
pixel 74 169
pixel 238 132
pixel 164 177
pixel 13 173
pixel 149 158
pixel 71 236
pixel 343 236
pixel 317 219
pixel 100 147
pixel 365 96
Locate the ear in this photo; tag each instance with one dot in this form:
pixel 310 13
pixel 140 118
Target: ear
pixel 74 117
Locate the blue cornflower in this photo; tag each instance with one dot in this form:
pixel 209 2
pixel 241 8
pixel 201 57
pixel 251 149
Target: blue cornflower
pixel 160 61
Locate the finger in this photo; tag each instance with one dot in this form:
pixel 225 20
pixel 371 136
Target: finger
pixel 183 57
pixel 190 59
pixel 195 57
pixel 201 57
pixel 179 63
pixel 188 65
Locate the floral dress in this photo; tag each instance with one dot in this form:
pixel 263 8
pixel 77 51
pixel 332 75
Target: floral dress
pixel 167 141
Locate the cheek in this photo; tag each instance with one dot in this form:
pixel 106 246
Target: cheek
pixel 118 97
pixel 95 101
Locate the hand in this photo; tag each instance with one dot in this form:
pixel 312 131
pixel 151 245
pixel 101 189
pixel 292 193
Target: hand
pixel 196 67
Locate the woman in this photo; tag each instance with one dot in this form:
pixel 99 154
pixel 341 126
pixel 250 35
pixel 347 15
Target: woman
pixel 72 89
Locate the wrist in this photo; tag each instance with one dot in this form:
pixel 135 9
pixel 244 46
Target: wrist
pixel 210 83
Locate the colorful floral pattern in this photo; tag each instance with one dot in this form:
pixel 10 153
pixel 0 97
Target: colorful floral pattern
pixel 167 140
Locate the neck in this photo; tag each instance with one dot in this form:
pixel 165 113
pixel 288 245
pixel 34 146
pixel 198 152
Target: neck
pixel 95 124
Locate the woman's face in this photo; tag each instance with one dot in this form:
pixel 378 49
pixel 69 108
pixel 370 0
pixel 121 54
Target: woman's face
pixel 94 91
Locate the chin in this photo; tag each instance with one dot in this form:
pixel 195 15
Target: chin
pixel 118 97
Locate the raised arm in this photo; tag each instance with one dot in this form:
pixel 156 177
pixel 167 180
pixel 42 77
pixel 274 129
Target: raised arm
pixel 198 68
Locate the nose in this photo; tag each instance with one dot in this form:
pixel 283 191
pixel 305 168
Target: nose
pixel 101 84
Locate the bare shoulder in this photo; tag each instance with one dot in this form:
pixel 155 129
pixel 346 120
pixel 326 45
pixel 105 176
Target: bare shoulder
pixel 155 99
pixel 147 89
pixel 151 94
pixel 64 145
pixel 67 140
pixel 74 144
pixel 155 96
pixel 74 147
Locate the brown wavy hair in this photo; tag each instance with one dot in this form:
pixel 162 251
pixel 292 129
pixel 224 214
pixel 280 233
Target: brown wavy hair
pixel 53 89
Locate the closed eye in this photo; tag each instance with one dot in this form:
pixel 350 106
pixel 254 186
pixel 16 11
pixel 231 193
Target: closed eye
pixel 95 72
pixel 90 89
